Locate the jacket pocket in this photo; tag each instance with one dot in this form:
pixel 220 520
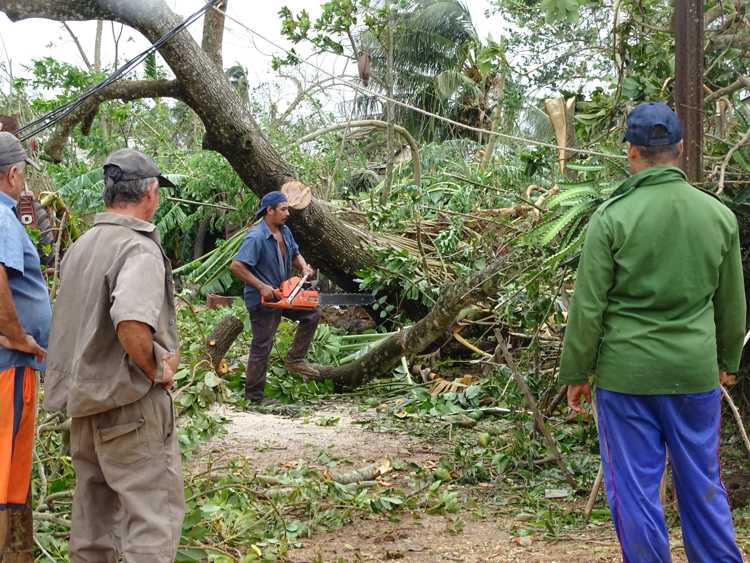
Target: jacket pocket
pixel 124 444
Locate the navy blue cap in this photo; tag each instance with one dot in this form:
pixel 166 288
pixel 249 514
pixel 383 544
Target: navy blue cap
pixel 653 124
pixel 271 198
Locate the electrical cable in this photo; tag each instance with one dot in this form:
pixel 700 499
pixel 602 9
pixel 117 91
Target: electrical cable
pixel 363 90
pixel 44 122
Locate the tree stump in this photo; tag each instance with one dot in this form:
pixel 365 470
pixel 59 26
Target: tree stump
pixel 221 339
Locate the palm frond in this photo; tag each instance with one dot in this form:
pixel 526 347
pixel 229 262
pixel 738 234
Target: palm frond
pixel 83 194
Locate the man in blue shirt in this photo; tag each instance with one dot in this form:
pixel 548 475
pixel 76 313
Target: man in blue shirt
pixel 25 315
pixel 264 260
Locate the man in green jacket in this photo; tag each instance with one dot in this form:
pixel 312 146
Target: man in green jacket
pixel 657 317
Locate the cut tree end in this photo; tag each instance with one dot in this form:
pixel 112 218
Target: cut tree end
pixel 298 194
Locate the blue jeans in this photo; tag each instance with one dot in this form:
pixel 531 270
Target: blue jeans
pixel 635 431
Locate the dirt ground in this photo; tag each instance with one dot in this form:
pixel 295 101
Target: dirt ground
pixel 430 540
pixel 273 440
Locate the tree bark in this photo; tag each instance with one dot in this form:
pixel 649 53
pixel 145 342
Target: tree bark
pixel 331 244
pixel 213 33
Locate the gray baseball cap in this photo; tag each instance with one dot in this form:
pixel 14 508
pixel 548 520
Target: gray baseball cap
pixel 11 151
pixel 135 165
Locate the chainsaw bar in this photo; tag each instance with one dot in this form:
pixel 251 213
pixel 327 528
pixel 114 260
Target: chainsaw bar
pixel 346 298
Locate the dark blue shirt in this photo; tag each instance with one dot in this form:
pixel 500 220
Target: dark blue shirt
pixel 30 296
pixel 260 253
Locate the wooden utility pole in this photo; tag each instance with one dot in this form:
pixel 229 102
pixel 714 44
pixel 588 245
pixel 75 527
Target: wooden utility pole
pixel 389 116
pixel 689 82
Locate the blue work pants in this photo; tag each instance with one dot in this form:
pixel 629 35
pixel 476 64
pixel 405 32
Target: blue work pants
pixel 635 432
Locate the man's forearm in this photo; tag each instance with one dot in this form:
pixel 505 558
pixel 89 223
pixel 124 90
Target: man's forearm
pixel 138 341
pixel 300 262
pixel 10 326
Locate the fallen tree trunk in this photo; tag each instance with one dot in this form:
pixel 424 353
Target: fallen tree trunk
pixel 410 341
pixel 221 339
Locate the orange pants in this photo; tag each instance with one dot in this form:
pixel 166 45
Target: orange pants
pixel 17 417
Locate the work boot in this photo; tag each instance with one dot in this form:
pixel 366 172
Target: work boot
pixel 304 368
pixel 253 404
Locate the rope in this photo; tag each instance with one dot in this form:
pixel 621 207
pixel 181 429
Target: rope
pixel 363 90
pixel 49 119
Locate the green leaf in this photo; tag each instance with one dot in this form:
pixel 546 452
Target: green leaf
pixel 149 66
pixel 565 220
pixel 212 380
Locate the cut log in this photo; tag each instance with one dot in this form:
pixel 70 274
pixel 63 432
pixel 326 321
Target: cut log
pixel 221 339
pixel 298 194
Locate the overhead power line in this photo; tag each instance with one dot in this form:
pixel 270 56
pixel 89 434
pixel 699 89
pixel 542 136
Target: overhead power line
pixel 49 119
pixel 369 92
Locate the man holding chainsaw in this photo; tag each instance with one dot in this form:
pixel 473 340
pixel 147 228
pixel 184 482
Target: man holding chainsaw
pixel 658 317
pixel 263 262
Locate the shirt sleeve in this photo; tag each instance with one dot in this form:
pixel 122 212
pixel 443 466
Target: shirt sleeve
pixel 730 308
pixel 585 318
pixel 11 242
pixel 249 252
pixel 138 291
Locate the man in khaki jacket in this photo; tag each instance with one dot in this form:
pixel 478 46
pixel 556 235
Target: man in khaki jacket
pixel 111 362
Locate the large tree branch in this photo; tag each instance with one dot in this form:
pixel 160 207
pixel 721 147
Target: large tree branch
pixel 739 84
pixel 125 90
pixel 56 10
pixel 213 33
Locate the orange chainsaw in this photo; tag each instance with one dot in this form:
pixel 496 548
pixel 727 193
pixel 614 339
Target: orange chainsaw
pixel 293 295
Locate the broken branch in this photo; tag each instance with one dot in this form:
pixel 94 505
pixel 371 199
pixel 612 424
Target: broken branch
pixel 502 350
pixel 728 158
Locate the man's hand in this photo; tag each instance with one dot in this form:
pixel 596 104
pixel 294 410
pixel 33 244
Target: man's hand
pixel 170 364
pixel 574 396
pixel 727 378
pixel 268 293
pixel 27 345
pixel 308 271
